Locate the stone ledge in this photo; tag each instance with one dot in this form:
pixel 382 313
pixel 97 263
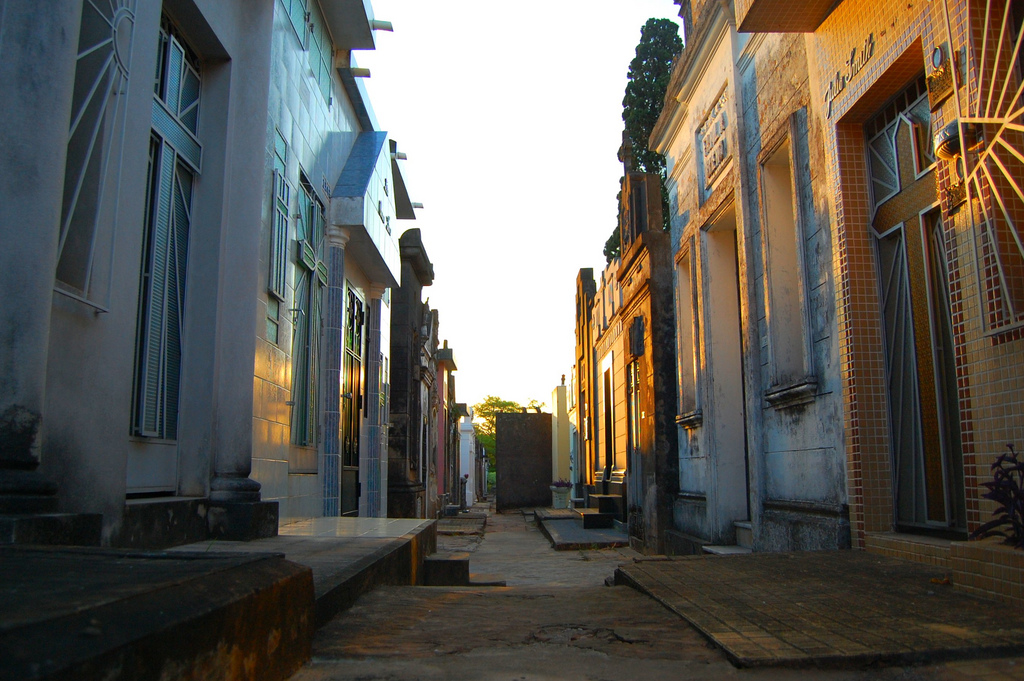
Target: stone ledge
pixel 91 614
pixel 66 529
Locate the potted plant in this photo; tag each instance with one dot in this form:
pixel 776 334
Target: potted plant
pixel 560 493
pixel 1006 489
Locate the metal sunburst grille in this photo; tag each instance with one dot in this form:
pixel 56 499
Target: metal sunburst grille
pixel 993 129
pixel 94 135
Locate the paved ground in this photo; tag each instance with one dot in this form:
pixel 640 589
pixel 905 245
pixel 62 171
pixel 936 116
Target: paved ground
pixel 555 620
pixel 827 607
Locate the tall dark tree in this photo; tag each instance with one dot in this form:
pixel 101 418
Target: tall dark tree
pixel 647 81
pixel 648 77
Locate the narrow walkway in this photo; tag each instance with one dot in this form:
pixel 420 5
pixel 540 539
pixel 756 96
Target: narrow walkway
pixel 555 620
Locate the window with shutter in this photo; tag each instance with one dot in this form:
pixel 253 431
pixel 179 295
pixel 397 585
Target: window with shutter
pixel 174 165
pixel 311 280
pixel 276 282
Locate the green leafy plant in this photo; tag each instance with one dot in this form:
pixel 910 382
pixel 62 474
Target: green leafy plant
pixel 1006 489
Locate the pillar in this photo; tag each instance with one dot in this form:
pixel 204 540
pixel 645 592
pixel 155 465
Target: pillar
pixel 331 363
pixel 37 66
pixel 373 459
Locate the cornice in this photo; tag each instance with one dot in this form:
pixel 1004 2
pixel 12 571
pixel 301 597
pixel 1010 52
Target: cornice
pixel 689 71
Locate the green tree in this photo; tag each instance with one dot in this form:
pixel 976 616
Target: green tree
pixel 484 418
pixel 485 415
pixel 647 81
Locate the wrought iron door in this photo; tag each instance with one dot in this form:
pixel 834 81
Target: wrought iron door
pixel 351 402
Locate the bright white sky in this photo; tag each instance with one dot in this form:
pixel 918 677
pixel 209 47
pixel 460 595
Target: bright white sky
pixel 511 114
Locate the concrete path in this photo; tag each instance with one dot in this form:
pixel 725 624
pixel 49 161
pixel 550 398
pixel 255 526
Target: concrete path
pixel 555 620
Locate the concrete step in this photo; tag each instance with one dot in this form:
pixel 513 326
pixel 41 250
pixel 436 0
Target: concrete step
pixel 593 519
pixel 744 534
pixel 446 569
pixel 725 550
pixel 483 579
pixel 349 556
pixel 608 503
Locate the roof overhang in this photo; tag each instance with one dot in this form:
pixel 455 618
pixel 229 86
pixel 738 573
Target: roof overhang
pixel 353 207
pixel 355 89
pixel 446 358
pixel 782 16
pixel 403 204
pixel 350 23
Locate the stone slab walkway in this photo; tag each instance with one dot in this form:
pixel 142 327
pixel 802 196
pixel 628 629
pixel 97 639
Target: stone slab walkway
pixel 827 608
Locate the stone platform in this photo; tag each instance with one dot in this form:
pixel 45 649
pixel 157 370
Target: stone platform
pixel 348 556
pixel 565 529
pixel 205 610
pixel 103 614
pixel 827 608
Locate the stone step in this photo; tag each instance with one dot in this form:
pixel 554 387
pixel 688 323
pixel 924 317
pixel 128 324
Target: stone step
pixel 483 579
pixel 608 503
pixel 593 519
pixel 446 569
pixel 744 534
pixel 725 550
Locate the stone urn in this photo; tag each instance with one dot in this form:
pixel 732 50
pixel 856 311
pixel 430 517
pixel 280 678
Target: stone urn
pixel 559 496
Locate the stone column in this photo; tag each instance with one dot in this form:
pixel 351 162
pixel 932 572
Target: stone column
pixel 371 474
pixel 38 50
pixel 331 363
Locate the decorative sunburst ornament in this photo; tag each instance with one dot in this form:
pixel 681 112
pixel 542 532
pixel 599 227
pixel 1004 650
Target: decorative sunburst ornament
pixel 992 134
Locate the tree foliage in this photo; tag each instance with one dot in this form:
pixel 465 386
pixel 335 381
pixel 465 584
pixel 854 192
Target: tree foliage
pixel 647 81
pixel 485 416
pixel 613 247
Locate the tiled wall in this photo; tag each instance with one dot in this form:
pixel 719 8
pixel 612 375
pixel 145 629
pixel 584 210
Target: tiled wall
pixel 319 137
pixel 990 366
pixel 918 549
pixel 984 568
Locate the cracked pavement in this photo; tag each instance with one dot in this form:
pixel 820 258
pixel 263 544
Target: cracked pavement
pixel 554 620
